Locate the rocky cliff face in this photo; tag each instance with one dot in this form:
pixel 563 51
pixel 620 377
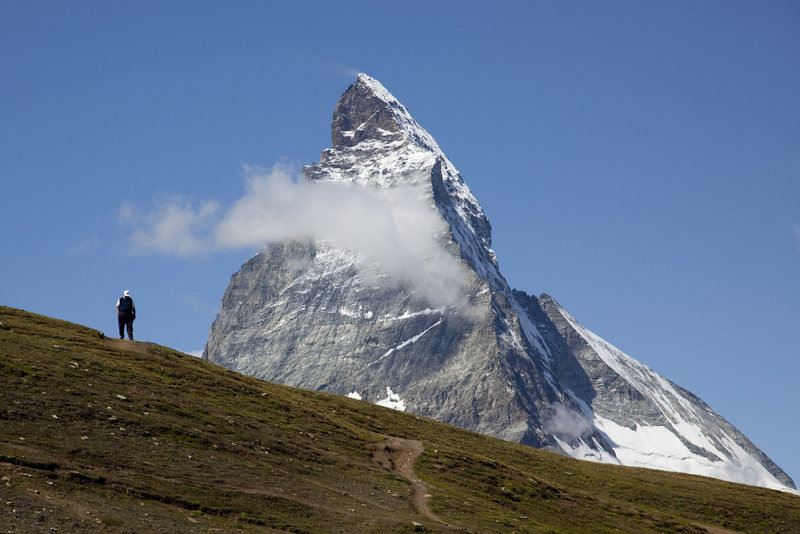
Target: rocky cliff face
pixel 456 344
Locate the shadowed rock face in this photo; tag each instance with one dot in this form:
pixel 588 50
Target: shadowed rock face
pixel 497 361
pixel 360 115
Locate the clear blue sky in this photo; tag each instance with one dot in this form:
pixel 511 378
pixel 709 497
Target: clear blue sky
pixel 639 161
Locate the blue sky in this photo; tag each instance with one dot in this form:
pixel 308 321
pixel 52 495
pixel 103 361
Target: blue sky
pixel 639 161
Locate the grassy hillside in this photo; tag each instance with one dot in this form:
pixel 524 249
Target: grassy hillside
pixel 103 435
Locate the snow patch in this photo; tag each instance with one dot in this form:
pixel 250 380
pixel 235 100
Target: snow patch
pixel 355 395
pixel 665 447
pixel 356 314
pixel 658 447
pixel 409 341
pixel 531 332
pixel 392 401
pixel 583 451
pixel 408 315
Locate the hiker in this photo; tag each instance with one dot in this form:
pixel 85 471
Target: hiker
pixel 126 313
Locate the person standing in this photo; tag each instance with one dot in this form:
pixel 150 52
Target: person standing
pixel 126 313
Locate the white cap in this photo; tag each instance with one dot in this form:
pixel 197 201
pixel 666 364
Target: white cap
pixel 126 293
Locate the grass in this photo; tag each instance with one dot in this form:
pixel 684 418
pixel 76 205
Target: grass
pixel 109 436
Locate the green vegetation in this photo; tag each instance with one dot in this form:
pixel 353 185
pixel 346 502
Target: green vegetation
pixel 116 436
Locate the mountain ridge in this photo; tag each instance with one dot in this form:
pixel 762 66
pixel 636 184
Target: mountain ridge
pixel 455 342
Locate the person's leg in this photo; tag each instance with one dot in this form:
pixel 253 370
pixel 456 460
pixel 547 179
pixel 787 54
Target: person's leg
pixel 121 321
pixel 130 328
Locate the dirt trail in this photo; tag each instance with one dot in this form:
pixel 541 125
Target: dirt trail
pixel 399 455
pixel 127 344
pixel 716 530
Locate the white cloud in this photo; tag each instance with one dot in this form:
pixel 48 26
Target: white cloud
pixel 565 423
pixel 398 228
pixel 176 227
pixel 335 67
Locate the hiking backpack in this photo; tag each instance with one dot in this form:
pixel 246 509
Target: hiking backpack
pixel 125 305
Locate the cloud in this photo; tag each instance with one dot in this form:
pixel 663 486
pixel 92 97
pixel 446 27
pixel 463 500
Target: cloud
pixel 565 423
pixel 333 66
pixel 398 228
pixel 176 227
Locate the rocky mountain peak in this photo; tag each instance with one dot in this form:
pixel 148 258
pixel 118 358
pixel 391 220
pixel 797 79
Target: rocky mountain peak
pixel 368 111
pixel 487 358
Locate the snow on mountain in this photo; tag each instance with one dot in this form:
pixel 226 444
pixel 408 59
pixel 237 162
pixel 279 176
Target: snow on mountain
pixel 684 441
pixel 445 336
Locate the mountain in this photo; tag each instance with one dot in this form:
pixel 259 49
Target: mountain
pixel 420 318
pixel 105 435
